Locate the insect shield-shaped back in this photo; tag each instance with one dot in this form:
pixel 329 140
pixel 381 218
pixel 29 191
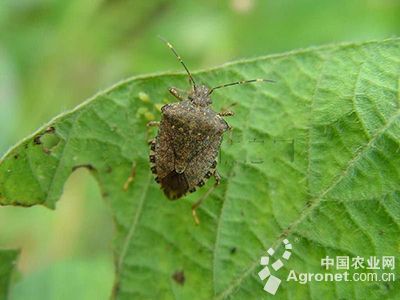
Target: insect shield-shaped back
pixel 186 147
pixel 183 155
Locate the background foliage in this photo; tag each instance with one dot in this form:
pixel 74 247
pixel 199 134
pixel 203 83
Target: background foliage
pixel 53 54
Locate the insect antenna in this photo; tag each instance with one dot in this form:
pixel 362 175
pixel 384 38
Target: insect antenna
pixel 239 82
pixel 180 60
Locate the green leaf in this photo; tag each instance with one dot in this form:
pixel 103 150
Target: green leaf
pixel 313 158
pixel 7 264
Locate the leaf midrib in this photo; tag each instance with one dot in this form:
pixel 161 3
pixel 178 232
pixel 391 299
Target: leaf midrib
pixel 132 228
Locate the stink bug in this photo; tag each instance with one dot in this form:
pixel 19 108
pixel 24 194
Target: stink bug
pixel 183 154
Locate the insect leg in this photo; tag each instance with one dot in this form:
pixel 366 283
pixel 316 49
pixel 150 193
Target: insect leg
pixel 226 113
pixel 210 190
pixel 153 124
pixel 176 93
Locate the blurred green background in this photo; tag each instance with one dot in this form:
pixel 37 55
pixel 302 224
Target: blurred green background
pixel 55 53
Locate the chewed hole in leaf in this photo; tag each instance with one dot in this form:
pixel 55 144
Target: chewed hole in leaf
pixel 48 140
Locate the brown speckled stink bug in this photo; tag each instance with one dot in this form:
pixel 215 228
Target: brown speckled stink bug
pixel 183 155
